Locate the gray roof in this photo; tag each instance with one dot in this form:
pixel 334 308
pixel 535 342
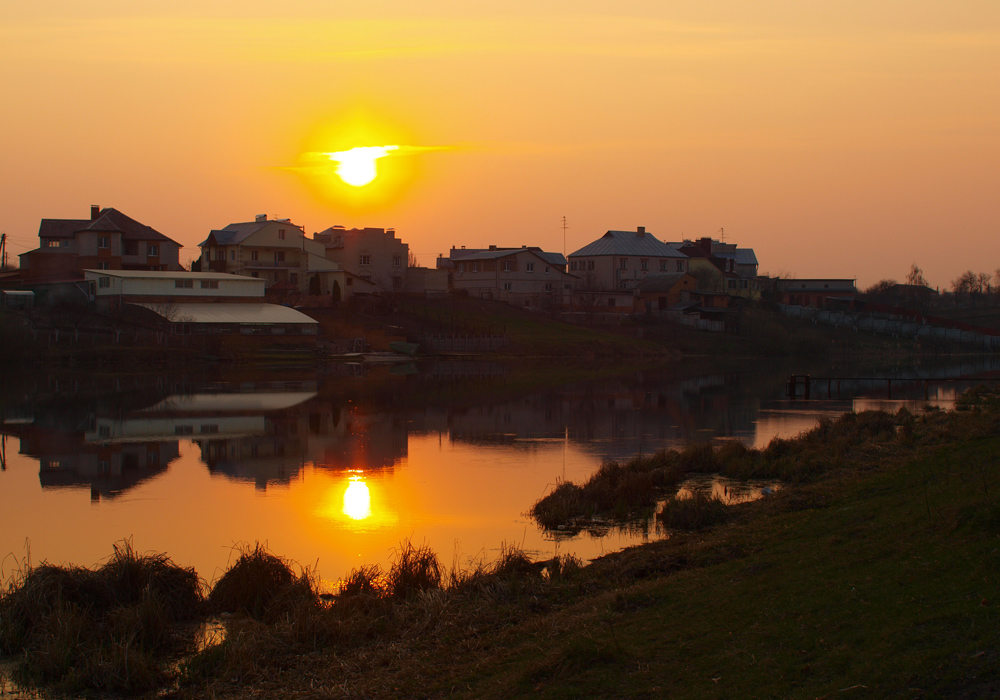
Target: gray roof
pixel 180 274
pixel 743 256
pixel 663 282
pixel 213 312
pixel 234 233
pixel 109 220
pixel 550 258
pixel 629 243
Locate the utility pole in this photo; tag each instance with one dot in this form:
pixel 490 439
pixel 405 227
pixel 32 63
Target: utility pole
pixel 564 227
pixel 3 251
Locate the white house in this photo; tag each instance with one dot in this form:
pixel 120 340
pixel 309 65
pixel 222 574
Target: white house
pixel 520 276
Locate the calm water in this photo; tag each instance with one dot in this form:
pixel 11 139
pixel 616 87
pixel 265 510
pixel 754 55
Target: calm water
pixel 334 468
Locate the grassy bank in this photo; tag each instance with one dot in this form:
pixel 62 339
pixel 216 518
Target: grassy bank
pixel 874 575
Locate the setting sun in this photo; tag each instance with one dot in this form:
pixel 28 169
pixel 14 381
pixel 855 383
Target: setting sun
pixel 357 166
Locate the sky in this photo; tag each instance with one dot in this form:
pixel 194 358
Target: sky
pixel 836 139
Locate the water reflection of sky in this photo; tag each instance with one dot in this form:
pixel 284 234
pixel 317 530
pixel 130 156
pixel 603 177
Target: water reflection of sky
pixel 339 481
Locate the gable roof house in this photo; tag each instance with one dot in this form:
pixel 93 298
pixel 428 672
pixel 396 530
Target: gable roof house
pixel 108 240
pixel 611 268
pixel 520 276
pixel 277 251
pixel 722 267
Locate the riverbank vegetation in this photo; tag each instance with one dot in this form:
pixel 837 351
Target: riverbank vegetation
pixel 873 574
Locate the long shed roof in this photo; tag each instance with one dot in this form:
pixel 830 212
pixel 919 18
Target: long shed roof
pixel 252 314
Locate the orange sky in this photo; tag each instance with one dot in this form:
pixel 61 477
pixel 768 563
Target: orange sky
pixel 844 139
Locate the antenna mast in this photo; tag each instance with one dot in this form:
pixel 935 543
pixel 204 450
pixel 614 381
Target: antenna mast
pixel 564 227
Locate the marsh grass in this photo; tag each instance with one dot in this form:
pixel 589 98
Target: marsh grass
pixel 261 585
pixel 695 513
pixel 619 491
pixel 107 628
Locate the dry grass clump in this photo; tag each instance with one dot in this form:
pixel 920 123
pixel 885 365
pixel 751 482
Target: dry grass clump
pixel 261 584
pixel 695 513
pixel 107 628
pixel 618 490
pixel 624 490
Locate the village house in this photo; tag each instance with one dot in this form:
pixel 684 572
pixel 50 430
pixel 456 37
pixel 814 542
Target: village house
pixel 520 276
pixel 278 252
pixel 657 294
pixel 611 268
pixel 373 254
pixel 814 292
pixel 108 240
pixel 722 267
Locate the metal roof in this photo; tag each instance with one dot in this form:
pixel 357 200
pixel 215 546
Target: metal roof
pixel 249 314
pixel 743 256
pixel 179 275
pixel 109 220
pixel 230 403
pixel 663 282
pixel 629 243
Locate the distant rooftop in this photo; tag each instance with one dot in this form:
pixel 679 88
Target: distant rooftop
pixel 639 242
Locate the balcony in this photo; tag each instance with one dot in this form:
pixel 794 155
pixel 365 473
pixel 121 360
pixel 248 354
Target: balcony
pixel 269 265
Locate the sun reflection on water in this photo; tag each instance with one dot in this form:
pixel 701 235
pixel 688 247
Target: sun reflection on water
pixel 357 499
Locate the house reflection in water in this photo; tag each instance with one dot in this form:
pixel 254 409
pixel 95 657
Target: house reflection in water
pixel 295 431
pixel 70 457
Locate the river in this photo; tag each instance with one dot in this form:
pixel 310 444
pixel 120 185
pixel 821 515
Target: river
pixel 334 467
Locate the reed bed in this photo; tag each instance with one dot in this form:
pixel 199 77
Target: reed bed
pixel 619 491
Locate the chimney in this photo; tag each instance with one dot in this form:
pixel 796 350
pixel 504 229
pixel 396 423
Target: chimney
pixel 260 218
pixel 640 231
pixel 95 212
pixel 706 245
pixel 493 247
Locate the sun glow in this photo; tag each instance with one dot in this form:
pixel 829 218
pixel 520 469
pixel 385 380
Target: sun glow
pixel 357 166
pixel 357 500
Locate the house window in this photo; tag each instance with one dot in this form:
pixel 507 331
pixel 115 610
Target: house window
pixel 279 256
pixel 623 285
pixel 152 250
pixel 103 282
pixel 294 278
pixel 663 266
pixel 529 267
pixel 546 269
pixel 255 274
pixel 365 260
pixel 220 254
pixel 396 261
pixel 572 266
pixel 210 428
pixel 506 286
pixel 281 234
pixel 397 282
pixel 232 255
pixel 548 286
pixel 743 284
pixel 255 255
pixel 103 242
pixel 644 265
pixel 183 430
pixel 475 267
pixel 131 248
pixel 623 264
pixel 731 284
pixel 461 267
pixel 350 281
pixel 185 284
pixel 103 266
pixel 590 264
pixel 680 266
pixel 206 284
pixel 508 266
pixel 51 244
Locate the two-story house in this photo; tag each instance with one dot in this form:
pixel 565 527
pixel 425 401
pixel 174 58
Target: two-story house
pixel 611 268
pixel 373 254
pixel 722 267
pixel 108 240
pixel 277 251
pixel 520 276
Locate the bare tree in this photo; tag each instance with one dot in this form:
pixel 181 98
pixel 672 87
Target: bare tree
pixel 411 259
pixel 916 276
pixel 589 292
